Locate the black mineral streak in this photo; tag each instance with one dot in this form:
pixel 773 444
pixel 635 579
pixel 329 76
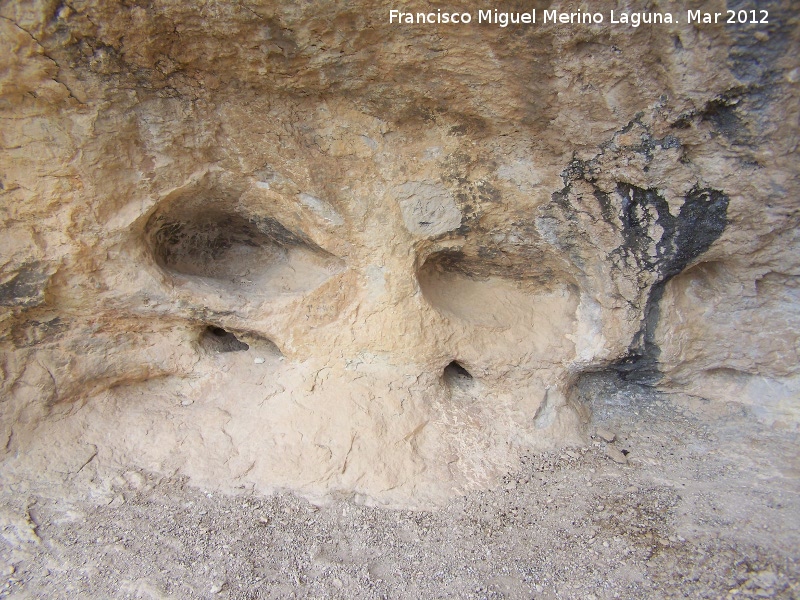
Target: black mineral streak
pixel 26 288
pixel 634 211
pixel 700 222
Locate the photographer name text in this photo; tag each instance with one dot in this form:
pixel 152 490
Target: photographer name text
pixel 555 17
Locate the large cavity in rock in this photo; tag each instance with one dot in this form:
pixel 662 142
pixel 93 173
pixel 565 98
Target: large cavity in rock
pixel 205 238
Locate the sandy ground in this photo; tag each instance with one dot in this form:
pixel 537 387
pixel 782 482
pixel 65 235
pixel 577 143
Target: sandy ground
pixel 706 507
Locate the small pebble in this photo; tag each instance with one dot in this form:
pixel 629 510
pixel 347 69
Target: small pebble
pixel 134 479
pixel 615 455
pixel 216 588
pixel 606 435
pixel 259 360
pixel 766 579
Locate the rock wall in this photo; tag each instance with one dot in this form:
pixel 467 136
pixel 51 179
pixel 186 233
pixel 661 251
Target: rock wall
pixel 269 245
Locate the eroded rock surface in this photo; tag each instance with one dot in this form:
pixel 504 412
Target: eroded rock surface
pixel 266 245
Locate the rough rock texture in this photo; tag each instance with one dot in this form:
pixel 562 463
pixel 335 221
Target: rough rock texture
pixel 703 508
pixel 269 245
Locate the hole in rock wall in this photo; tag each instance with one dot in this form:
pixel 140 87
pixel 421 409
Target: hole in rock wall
pixel 456 375
pixel 204 237
pixel 482 293
pixel 460 383
pixel 216 339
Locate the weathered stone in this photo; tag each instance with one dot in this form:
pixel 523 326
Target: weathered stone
pixel 616 455
pixel 606 435
pixel 378 258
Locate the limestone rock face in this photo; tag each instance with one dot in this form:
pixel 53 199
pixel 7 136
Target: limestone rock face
pixel 294 245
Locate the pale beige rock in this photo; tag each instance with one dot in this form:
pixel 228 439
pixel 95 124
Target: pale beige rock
pixel 616 455
pixel 427 234
pixel 606 435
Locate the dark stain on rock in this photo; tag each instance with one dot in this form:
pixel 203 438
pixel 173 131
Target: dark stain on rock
pixel 26 288
pixel 700 221
pixel 279 234
pixel 634 212
pixel 754 60
pixel 486 192
pixel 35 332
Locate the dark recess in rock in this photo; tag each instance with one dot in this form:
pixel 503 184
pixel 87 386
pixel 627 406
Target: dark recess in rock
pixel 721 112
pixel 455 375
pixel 218 339
pixel 455 369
